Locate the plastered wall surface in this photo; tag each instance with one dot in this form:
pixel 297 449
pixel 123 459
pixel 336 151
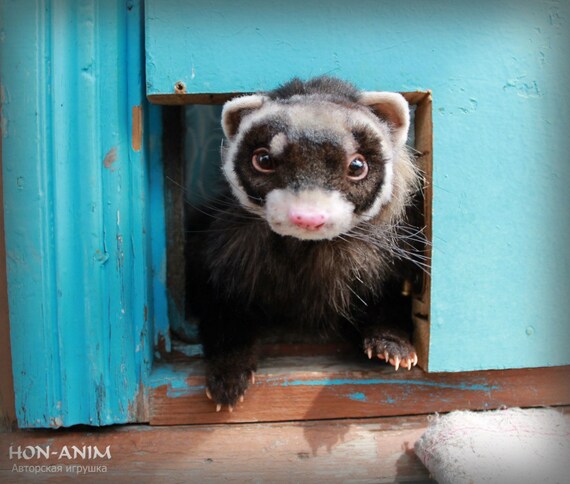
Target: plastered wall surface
pixel 498 71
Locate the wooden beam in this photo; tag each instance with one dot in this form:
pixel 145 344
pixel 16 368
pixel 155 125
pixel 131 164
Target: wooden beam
pixel 7 408
pixel 334 451
pixel 172 154
pixel 178 99
pixel 331 387
pixel 413 97
pixel 423 131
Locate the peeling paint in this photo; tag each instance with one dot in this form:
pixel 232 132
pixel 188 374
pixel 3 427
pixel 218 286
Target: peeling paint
pixel 101 256
pixel 184 391
pixel 524 89
pixel 110 158
pixel 3 97
pixel 189 350
pixel 137 128
pixel 175 381
pixel 56 422
pixel 358 397
pixel 378 381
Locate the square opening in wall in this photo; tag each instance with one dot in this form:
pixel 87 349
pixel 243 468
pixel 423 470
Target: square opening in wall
pixel 195 192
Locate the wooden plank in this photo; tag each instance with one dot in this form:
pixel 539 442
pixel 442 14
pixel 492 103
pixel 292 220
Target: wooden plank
pixel 334 451
pixel 75 211
pixel 324 387
pixel 413 97
pixel 7 409
pixel 172 153
pixel 423 128
pixel 176 99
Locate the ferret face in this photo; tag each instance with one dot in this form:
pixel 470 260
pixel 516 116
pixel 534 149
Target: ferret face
pixel 311 167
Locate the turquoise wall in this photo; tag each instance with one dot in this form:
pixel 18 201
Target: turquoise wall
pixel 499 74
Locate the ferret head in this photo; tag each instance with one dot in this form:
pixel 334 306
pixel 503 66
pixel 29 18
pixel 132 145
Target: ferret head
pixel 315 159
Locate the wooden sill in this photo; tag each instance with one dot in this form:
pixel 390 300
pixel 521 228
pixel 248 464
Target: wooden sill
pixel 340 386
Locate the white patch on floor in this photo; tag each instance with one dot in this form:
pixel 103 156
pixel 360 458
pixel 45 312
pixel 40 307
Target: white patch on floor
pixel 502 446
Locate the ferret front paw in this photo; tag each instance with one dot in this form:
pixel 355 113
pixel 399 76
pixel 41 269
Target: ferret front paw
pixel 390 346
pixel 228 387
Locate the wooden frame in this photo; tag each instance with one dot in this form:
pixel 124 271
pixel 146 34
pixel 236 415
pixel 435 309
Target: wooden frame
pixel 172 146
pixel 7 406
pixel 172 157
pixel 299 360
pixel 423 128
pixel 313 388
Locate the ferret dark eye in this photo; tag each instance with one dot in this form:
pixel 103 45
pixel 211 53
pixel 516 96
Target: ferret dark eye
pixel 357 168
pixel 262 161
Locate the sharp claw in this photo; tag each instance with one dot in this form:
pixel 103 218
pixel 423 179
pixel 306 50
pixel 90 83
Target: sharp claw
pixel 369 353
pixel 386 356
pixel 415 359
pixel 397 362
pixel 230 408
pixel 252 378
pixel 241 399
pixel 208 394
pixel 218 407
pixel 409 364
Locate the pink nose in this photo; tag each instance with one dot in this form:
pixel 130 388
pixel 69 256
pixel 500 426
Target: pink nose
pixel 309 220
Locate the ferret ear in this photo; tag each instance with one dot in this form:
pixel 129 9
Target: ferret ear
pixel 235 109
pixel 391 107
